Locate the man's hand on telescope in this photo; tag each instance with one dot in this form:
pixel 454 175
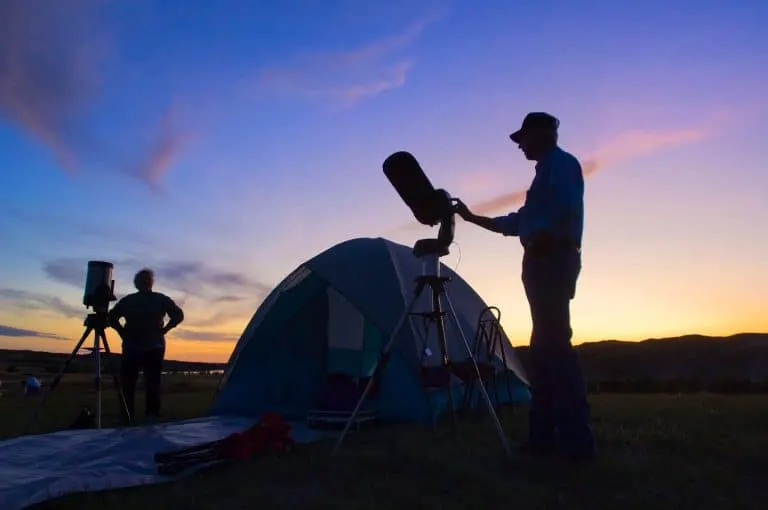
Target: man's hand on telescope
pixel 462 210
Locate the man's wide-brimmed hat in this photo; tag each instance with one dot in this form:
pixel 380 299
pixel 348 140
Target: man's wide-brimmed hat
pixel 535 121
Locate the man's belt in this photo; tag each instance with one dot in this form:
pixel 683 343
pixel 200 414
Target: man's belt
pixel 550 245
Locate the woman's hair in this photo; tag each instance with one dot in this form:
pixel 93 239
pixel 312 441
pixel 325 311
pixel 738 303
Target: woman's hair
pixel 143 279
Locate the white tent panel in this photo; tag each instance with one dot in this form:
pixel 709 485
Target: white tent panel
pixel 410 268
pixel 345 323
pixel 406 287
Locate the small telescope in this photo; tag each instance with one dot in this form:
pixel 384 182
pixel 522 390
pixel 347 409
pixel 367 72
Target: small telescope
pixel 99 291
pixel 430 206
pixel 99 286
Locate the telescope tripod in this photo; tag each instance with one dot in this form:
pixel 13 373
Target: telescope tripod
pixel 436 283
pixel 95 323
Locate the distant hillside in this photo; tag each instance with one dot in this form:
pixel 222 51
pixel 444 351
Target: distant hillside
pixel 692 361
pixel 48 362
pixel 742 357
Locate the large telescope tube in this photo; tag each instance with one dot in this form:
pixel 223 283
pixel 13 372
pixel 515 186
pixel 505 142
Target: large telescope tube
pixel 99 285
pixel 430 206
pixel 413 186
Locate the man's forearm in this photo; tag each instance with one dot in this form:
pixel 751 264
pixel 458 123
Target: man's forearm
pixel 171 324
pixel 176 317
pixel 114 322
pixel 484 222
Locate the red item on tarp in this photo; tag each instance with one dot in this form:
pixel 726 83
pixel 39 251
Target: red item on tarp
pixel 270 434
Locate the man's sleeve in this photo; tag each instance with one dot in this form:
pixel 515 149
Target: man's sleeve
pixel 115 314
pixel 175 313
pixel 568 192
pixel 508 225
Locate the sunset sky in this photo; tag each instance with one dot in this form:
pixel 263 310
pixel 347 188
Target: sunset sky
pixel 222 144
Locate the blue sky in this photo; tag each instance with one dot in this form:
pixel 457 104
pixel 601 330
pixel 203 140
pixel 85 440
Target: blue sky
pixel 223 143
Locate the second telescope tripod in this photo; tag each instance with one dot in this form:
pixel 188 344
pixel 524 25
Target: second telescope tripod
pixel 95 323
pixel 99 291
pixel 429 251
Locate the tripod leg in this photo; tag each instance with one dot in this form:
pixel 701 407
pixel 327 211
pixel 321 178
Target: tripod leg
pixel 116 380
pixel 56 380
pixel 491 410
pixel 424 348
pixel 97 379
pixel 437 309
pixel 380 364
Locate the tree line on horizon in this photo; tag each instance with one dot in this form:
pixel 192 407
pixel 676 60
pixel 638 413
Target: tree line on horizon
pixel 736 364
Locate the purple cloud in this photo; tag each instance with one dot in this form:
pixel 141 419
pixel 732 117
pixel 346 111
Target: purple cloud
pixel 10 331
pixel 51 56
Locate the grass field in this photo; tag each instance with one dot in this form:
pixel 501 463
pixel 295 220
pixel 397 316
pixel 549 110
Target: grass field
pixel 184 397
pixel 657 452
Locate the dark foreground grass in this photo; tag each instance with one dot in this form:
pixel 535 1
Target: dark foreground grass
pixel 183 397
pixel 657 451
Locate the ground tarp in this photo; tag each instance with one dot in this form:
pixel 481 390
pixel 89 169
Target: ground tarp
pixel 42 467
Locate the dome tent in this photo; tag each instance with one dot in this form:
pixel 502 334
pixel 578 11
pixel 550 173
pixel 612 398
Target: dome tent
pixel 334 314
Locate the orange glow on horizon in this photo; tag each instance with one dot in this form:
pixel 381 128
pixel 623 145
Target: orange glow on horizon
pixel 593 320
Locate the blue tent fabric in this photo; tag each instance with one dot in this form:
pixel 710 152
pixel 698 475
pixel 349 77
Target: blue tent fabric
pixel 293 342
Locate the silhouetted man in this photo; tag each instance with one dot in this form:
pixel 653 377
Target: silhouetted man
pixel 549 226
pixel 143 338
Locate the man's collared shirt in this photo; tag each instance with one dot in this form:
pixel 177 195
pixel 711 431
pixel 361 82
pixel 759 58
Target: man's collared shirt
pixel 554 202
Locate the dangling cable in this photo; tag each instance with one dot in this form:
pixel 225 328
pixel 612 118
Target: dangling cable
pixel 456 267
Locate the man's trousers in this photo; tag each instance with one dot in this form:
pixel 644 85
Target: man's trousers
pixel 151 363
pixel 559 416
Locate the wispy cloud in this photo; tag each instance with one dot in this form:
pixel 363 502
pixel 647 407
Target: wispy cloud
pixel 221 299
pixel 38 302
pixel 205 336
pixel 229 299
pixel 224 298
pixel 224 315
pixel 633 144
pixel 70 229
pixel 12 332
pixel 164 149
pixel 69 271
pixel 201 280
pixel 51 56
pixel 190 278
pixel 518 196
pixel 391 78
pixel 345 78
pixel 219 319
pixel 621 147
